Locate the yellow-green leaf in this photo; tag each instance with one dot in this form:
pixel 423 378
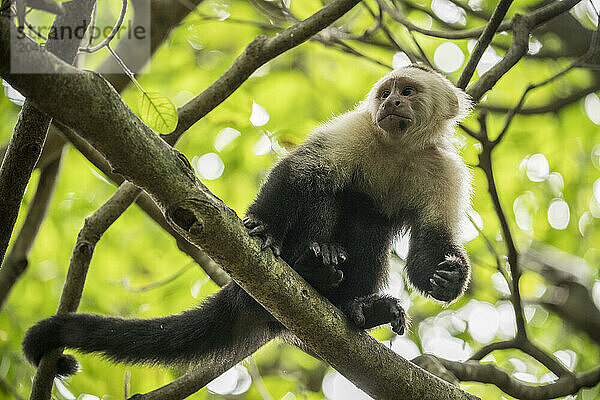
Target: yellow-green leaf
pixel 157 111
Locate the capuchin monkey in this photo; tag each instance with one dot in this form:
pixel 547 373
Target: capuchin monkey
pixel 330 209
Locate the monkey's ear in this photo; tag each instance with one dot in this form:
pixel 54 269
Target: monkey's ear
pixel 451 108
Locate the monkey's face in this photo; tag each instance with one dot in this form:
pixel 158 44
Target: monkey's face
pixel 395 100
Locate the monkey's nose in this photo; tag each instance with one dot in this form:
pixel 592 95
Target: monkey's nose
pixel 397 103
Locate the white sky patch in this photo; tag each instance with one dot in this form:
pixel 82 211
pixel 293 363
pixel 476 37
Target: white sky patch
pixel 337 387
pixel 537 168
pixel 508 326
pixel 235 381
pixel 596 190
pixel 523 207
pixel 220 11
pixel 225 136
pixel 585 11
pixel 488 60
pixel 469 231
pixel 595 207
pixel 529 312
pixel 405 347
pixel 448 57
pixel 596 294
pixel 12 94
pixel 471 45
pixel 559 214
pixel 450 348
pixel 475 4
pixel 584 221
pixel 596 156
pixel 534 45
pixel 591 104
pixel 448 12
pixel 568 358
pixel 400 59
pixel 401 245
pixel 500 283
pixel 518 365
pixel 262 145
pixel 556 182
pixel 548 377
pixel 436 339
pixel 208 166
pixel 525 377
pixel 259 116
pixel 62 389
pixel 483 322
pixel 395 285
pixel 263 70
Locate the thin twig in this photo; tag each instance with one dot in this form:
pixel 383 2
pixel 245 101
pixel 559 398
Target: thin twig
pixel 112 33
pixel 483 42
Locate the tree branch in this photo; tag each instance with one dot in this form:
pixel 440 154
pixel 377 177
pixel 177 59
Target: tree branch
pixel 258 52
pixel 522 27
pixel 93 229
pixel 28 138
pixel 16 261
pixel 483 42
pixel 85 102
pixel 489 373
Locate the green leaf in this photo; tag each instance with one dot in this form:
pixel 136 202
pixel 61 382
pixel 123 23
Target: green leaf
pixel 157 111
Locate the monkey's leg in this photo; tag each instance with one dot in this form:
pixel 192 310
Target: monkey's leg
pixel 436 264
pixel 374 310
pixel 227 323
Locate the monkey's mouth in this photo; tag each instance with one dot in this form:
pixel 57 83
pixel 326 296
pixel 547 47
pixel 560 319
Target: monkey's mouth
pixel 402 117
pixel 394 123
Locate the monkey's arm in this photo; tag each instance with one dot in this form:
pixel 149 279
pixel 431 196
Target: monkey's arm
pixel 299 201
pixel 437 264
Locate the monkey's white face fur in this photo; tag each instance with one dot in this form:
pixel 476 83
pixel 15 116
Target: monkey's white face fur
pixel 400 152
pixel 415 102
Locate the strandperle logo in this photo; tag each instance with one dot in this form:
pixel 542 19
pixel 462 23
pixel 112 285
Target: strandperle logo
pixel 135 27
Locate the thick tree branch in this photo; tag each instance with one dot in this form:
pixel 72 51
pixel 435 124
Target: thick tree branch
pixel 88 104
pixel 26 145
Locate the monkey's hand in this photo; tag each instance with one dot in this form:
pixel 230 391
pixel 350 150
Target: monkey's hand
pixel 319 266
pixel 449 279
pixel 330 253
pixel 374 310
pixel 259 229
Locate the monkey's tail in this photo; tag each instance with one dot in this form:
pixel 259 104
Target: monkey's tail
pixel 230 322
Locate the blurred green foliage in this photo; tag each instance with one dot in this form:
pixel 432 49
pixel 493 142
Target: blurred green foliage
pixel 298 90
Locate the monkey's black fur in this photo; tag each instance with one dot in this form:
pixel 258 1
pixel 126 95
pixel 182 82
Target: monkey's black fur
pixel 331 230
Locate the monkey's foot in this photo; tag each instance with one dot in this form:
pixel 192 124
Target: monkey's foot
pixel 371 311
pixel 259 229
pixel 318 265
pixel 450 279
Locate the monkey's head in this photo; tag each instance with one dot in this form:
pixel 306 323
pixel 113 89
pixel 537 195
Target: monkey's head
pixel 416 101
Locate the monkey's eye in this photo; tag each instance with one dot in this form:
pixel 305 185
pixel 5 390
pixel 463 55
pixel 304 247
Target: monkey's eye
pixel 407 91
pixel 385 94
